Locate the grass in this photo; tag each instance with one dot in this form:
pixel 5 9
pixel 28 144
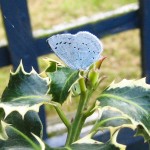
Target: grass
pixel 122 50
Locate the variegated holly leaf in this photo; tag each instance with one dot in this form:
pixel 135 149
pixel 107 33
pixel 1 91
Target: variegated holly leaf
pixel 25 91
pixel 141 132
pixel 18 140
pixel 3 134
pixel 61 82
pixel 88 143
pixel 53 65
pixel 22 133
pixel 132 97
pixel 3 125
pixel 113 120
pixel 31 123
pixel 86 146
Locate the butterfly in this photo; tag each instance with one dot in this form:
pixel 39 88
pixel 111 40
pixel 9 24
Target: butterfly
pixel 77 51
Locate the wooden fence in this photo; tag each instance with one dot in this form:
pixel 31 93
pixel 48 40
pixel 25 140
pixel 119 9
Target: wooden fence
pixel 22 44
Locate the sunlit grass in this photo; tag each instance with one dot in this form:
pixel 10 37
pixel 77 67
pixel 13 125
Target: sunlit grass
pixel 4 77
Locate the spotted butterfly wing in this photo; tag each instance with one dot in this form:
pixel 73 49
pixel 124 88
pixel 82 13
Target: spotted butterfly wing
pixel 78 51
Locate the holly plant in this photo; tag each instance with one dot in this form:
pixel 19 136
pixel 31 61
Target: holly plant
pixel 121 105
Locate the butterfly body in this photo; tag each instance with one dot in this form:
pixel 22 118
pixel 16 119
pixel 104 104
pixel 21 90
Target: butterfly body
pixel 78 51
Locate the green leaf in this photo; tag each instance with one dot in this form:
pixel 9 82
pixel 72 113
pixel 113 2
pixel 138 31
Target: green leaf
pixel 3 125
pixel 52 67
pixel 23 133
pixel 25 91
pixel 113 120
pixel 87 143
pixel 141 132
pixel 132 97
pixel 61 82
pixel 31 123
pixel 90 144
pixel 18 140
pixel 3 134
pixel 76 91
pixel 93 146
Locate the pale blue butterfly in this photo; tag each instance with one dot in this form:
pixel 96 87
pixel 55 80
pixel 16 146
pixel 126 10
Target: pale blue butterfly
pixel 77 51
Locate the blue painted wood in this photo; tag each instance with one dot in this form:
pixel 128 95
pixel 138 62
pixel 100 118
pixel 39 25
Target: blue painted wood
pixel 17 26
pixel 5 59
pixel 126 137
pixel 19 35
pixel 145 37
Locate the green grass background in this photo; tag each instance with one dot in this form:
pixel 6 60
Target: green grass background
pixel 122 50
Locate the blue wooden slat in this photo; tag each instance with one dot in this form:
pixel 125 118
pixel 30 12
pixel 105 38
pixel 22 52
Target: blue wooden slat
pixel 19 35
pixel 127 137
pixel 145 37
pixel 17 26
pixel 4 57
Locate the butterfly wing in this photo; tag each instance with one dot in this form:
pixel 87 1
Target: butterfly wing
pixel 62 45
pixel 89 47
pixel 78 51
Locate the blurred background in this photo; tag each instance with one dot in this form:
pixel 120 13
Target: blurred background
pixel 122 50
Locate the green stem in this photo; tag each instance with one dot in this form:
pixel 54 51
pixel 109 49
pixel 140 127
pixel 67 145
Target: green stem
pixel 62 116
pixel 78 122
pixel 90 110
pixel 80 117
